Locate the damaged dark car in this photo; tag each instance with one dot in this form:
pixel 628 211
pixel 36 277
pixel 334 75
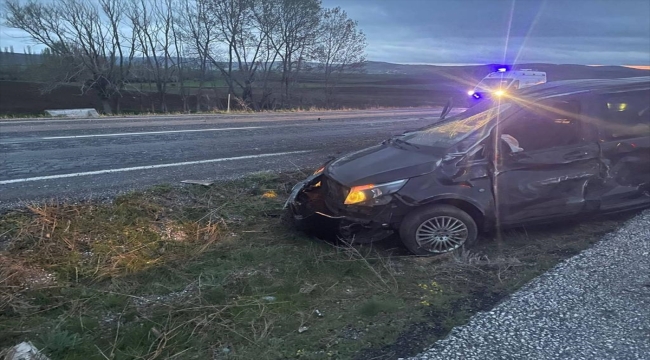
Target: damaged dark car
pixel 550 152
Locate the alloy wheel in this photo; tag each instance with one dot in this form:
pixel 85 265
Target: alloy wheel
pixel 441 234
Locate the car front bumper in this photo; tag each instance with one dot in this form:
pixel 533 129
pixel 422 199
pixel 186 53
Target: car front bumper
pixel 315 210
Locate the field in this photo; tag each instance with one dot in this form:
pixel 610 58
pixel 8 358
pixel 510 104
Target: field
pixel 358 91
pixel 383 85
pixel 200 272
pixel 24 98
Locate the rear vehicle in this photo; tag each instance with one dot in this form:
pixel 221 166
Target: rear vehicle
pixel 560 150
pixel 503 81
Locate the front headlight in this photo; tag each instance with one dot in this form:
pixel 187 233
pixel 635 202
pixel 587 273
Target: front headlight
pixel 365 193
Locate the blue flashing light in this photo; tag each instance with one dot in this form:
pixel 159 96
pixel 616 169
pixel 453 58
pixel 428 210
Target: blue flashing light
pixel 476 96
pixel 502 69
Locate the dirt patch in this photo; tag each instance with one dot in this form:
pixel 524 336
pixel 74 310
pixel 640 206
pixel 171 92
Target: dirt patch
pixel 16 274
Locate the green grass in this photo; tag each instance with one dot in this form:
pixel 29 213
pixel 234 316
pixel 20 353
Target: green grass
pixel 376 306
pixel 196 272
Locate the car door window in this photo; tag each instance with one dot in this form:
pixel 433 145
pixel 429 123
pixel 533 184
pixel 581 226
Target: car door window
pixel 543 126
pixel 625 115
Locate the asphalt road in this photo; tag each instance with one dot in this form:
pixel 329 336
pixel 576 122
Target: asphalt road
pixel 77 159
pixel 595 305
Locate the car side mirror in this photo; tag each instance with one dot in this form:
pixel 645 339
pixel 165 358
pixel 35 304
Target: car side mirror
pixel 510 143
pixel 516 156
pixel 505 154
pixel 502 150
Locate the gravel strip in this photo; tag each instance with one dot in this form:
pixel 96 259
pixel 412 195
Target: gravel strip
pixel 595 305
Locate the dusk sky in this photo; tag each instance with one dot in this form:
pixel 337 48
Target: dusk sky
pixel 607 32
pixel 592 32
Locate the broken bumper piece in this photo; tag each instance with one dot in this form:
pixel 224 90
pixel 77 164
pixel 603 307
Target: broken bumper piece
pixel 309 208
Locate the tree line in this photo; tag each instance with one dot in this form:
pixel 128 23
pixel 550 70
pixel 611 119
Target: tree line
pixel 260 48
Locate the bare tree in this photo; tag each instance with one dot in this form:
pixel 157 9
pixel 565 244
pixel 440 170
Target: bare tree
pixel 178 51
pixel 245 35
pixel 266 20
pixel 152 21
pixel 294 34
pixel 123 45
pixel 107 44
pixel 340 47
pixel 84 31
pixel 198 31
pixel 229 17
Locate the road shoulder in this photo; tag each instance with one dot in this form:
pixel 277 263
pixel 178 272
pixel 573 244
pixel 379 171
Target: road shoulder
pixel 595 305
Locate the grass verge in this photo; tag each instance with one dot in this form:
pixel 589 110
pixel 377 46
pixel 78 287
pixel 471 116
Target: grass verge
pixel 211 272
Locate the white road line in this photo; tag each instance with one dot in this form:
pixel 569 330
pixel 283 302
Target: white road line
pixel 148 167
pixel 46 121
pixel 148 133
pixel 144 133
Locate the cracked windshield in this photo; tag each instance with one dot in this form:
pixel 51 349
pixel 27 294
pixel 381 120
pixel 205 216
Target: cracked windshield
pixel 464 127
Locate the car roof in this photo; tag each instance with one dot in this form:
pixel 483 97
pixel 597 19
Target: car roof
pixel 569 87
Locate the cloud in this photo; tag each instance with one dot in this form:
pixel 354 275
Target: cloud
pixel 17 38
pixel 608 32
pixel 475 31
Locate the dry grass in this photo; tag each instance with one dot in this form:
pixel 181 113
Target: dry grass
pixel 15 278
pixel 210 272
pixel 241 110
pixel 379 265
pixel 88 241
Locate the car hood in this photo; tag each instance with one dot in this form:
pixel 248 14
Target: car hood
pixel 380 164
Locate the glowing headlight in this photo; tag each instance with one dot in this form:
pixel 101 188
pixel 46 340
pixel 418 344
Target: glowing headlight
pixel 366 193
pixel 618 107
pixel 499 92
pixel 470 93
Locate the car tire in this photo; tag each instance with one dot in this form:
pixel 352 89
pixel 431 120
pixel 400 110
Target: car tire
pixel 438 229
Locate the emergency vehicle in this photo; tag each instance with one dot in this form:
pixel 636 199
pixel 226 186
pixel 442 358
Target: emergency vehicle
pixel 502 81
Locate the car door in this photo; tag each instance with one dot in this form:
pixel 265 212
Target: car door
pixel 547 158
pixel 623 120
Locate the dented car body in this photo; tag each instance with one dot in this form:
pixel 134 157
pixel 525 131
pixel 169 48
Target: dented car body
pixel 550 152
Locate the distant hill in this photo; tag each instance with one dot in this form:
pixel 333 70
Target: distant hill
pixel 378 67
pixel 465 72
pixel 476 72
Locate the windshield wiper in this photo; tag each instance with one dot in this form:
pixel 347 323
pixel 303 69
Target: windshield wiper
pixel 447 109
pixel 402 142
